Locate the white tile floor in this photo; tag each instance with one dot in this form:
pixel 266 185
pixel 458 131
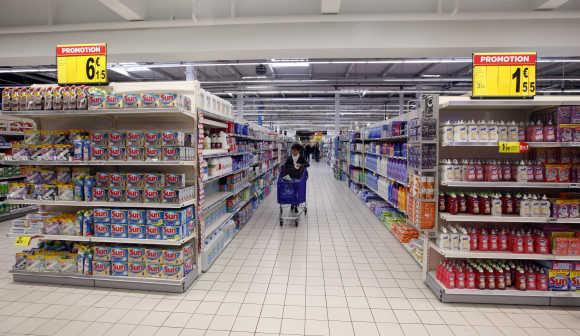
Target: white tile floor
pixel 339 273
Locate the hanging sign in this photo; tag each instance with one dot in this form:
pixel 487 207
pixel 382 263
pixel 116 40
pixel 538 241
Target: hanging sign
pixel 504 75
pixel 507 147
pixel 81 63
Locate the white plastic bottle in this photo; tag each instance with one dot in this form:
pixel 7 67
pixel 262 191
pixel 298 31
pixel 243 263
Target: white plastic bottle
pixel 502 131
pixel 447 173
pixel 525 206
pixel 443 238
pixel 464 239
pixel 496 205
pixel 457 171
pixel 513 134
pixel 447 133
pixel 472 131
pixel 536 206
pixel 460 131
pixel 482 128
pixel 454 238
pixel 522 175
pixel 545 207
pixel 492 131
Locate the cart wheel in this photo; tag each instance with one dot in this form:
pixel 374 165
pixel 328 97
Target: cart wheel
pixel 281 222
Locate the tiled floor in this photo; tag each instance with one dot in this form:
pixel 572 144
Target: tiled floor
pixel 339 273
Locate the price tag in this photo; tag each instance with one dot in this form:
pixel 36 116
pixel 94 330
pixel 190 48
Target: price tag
pixel 81 63
pixel 23 240
pixel 500 75
pixel 507 147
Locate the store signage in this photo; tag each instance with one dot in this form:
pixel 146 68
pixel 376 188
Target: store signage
pixel 81 63
pixel 504 75
pixel 507 147
pixel 23 240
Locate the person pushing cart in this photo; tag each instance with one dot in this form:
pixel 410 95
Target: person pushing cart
pixel 292 185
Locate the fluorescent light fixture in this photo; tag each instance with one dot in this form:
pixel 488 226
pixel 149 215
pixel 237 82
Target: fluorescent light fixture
pixel 17 70
pixel 254 77
pixel 430 76
pixel 120 70
pixel 290 65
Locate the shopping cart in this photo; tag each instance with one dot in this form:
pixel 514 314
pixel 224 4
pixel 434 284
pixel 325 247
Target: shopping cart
pixel 292 192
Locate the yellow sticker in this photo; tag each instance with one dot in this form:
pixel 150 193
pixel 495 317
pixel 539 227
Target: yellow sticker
pixel 504 74
pixel 507 147
pixel 81 63
pixel 23 240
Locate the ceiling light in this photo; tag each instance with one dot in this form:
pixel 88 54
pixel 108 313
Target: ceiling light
pixel 253 77
pixel 287 63
pixel 120 70
pixel 430 76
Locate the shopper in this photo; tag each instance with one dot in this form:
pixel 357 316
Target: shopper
pixel 307 152
pixel 294 166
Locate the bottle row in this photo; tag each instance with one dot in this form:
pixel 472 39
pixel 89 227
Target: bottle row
pixel 118 260
pixel 520 171
pixel 501 275
pixel 392 129
pixel 82 97
pixel 515 239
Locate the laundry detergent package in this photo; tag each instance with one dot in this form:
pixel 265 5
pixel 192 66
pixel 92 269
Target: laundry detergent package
pixel 153 270
pixel 136 268
pixel 119 216
pixel 136 231
pixel 132 100
pixel 119 230
pixel 119 268
pixel 172 232
pixel 135 138
pixel 134 153
pixel 135 180
pixel 575 280
pixel 172 256
pixel 102 229
pixel 98 153
pixel 118 180
pixel 116 138
pixel 137 216
pixel 117 153
pixel 101 267
pixel 174 180
pixel 134 195
pixel 155 217
pixel 154 232
pixel 151 195
pixel 559 280
pixel 135 254
pixel 99 194
pixel 101 215
pixel 119 253
pixel 153 255
pixel 102 252
pixel 172 272
pixel 113 101
pixel 172 138
pixel 153 153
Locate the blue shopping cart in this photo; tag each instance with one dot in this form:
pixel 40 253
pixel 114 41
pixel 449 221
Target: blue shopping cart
pixel 292 192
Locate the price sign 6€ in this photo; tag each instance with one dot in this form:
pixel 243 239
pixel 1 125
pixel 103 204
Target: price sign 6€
pixel 502 75
pixel 81 63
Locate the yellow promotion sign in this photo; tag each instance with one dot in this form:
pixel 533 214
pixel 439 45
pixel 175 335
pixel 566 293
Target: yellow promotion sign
pixel 81 63
pixel 23 240
pixel 502 75
pixel 508 147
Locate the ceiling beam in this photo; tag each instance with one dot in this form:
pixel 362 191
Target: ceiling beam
pixel 130 10
pixel 38 78
pixel 549 5
pixel 235 71
pixel 387 69
pixel 349 70
pixel 550 67
pixel 425 68
pixel 329 6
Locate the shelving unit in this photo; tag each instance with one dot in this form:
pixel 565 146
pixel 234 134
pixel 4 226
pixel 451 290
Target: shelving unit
pixel 182 118
pixel 464 108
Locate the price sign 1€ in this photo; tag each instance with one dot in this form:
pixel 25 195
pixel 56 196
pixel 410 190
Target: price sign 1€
pixel 508 147
pixel 81 63
pixel 504 75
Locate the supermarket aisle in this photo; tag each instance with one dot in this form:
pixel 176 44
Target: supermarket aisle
pixel 339 273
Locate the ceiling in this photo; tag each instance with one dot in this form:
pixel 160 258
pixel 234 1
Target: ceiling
pixel 292 93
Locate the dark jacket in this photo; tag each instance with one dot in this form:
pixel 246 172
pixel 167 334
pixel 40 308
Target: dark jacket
pixel 289 168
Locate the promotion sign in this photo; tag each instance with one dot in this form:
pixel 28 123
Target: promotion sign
pixel 504 75
pixel 81 63
pixel 510 147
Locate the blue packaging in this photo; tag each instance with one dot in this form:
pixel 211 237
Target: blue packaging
pixel 101 215
pixel 154 232
pixel 89 183
pixel 119 268
pixel 155 217
pixel 102 229
pixel 79 189
pixel 172 232
pixel 86 222
pixel 78 150
pixel 174 217
pixel 135 216
pixel 119 253
pixel 189 214
pixel 136 231
pixel 119 230
pixel 119 216
pixel 86 150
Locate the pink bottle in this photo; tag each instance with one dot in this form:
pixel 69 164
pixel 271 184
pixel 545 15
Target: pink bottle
pixel 528 242
pixel 531 279
pixel 541 243
pixel 462 203
pixel 473 239
pixel 469 278
pixel 541 280
pixel 502 239
pixel 483 241
pixel 549 132
pixel 493 241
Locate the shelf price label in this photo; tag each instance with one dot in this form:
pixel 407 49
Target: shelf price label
pixel 81 63
pixel 23 241
pixel 504 75
pixel 510 147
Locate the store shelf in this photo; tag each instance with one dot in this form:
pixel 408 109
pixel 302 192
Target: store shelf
pixel 17 213
pixel 119 282
pixel 454 254
pixel 410 251
pixel 466 103
pixel 530 144
pixel 125 112
pixel 506 219
pixel 240 136
pixel 393 138
pixel 506 296
pixel 215 116
pixel 214 178
pixel 217 223
pixel 215 198
pixel 10 133
pixel 209 156
pixel 7 178
pixel 104 204
pixel 206 267
pixel 213 123
pixel 386 200
pixel 97 163
pixel 537 185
